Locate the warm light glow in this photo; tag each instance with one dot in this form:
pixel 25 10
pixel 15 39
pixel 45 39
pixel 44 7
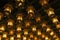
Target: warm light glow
pixel 50 11
pixel 48 29
pixel 57 39
pixel 43 2
pixel 59 31
pixel 22 0
pixel 11 32
pixel 24 38
pixel 19 29
pixel 58 25
pixel 35 38
pixel 46 38
pixel 38 19
pixel 10 22
pixel 34 28
pixel 30 10
pixel 27 23
pixel 54 20
pixel 20 4
pixel 29 20
pixel 38 32
pixel 0 37
pixel 19 35
pixel 29 39
pixel 31 35
pixel 55 36
pixel 43 36
pixel 11 38
pixel 4 35
pixel 52 33
pixel 25 32
pixel 19 17
pixel 44 25
pixel 8 7
pixel 2 28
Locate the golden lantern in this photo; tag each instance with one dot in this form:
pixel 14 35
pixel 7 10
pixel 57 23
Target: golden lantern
pixel 55 36
pixel 50 12
pixel 51 33
pixel 46 38
pixel 5 35
pixel 27 23
pixel 38 32
pixel 12 38
pixel 18 29
pixel 48 29
pixel 38 19
pixel 30 10
pixel 18 35
pixel 25 32
pixel 21 21
pixel 43 36
pixel 2 28
pixel 34 28
pixel 11 32
pixel 8 8
pixel 10 22
pixel 31 35
pixel 43 25
pixel 55 20
pixel 58 25
pixel 24 37
pixel 19 17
